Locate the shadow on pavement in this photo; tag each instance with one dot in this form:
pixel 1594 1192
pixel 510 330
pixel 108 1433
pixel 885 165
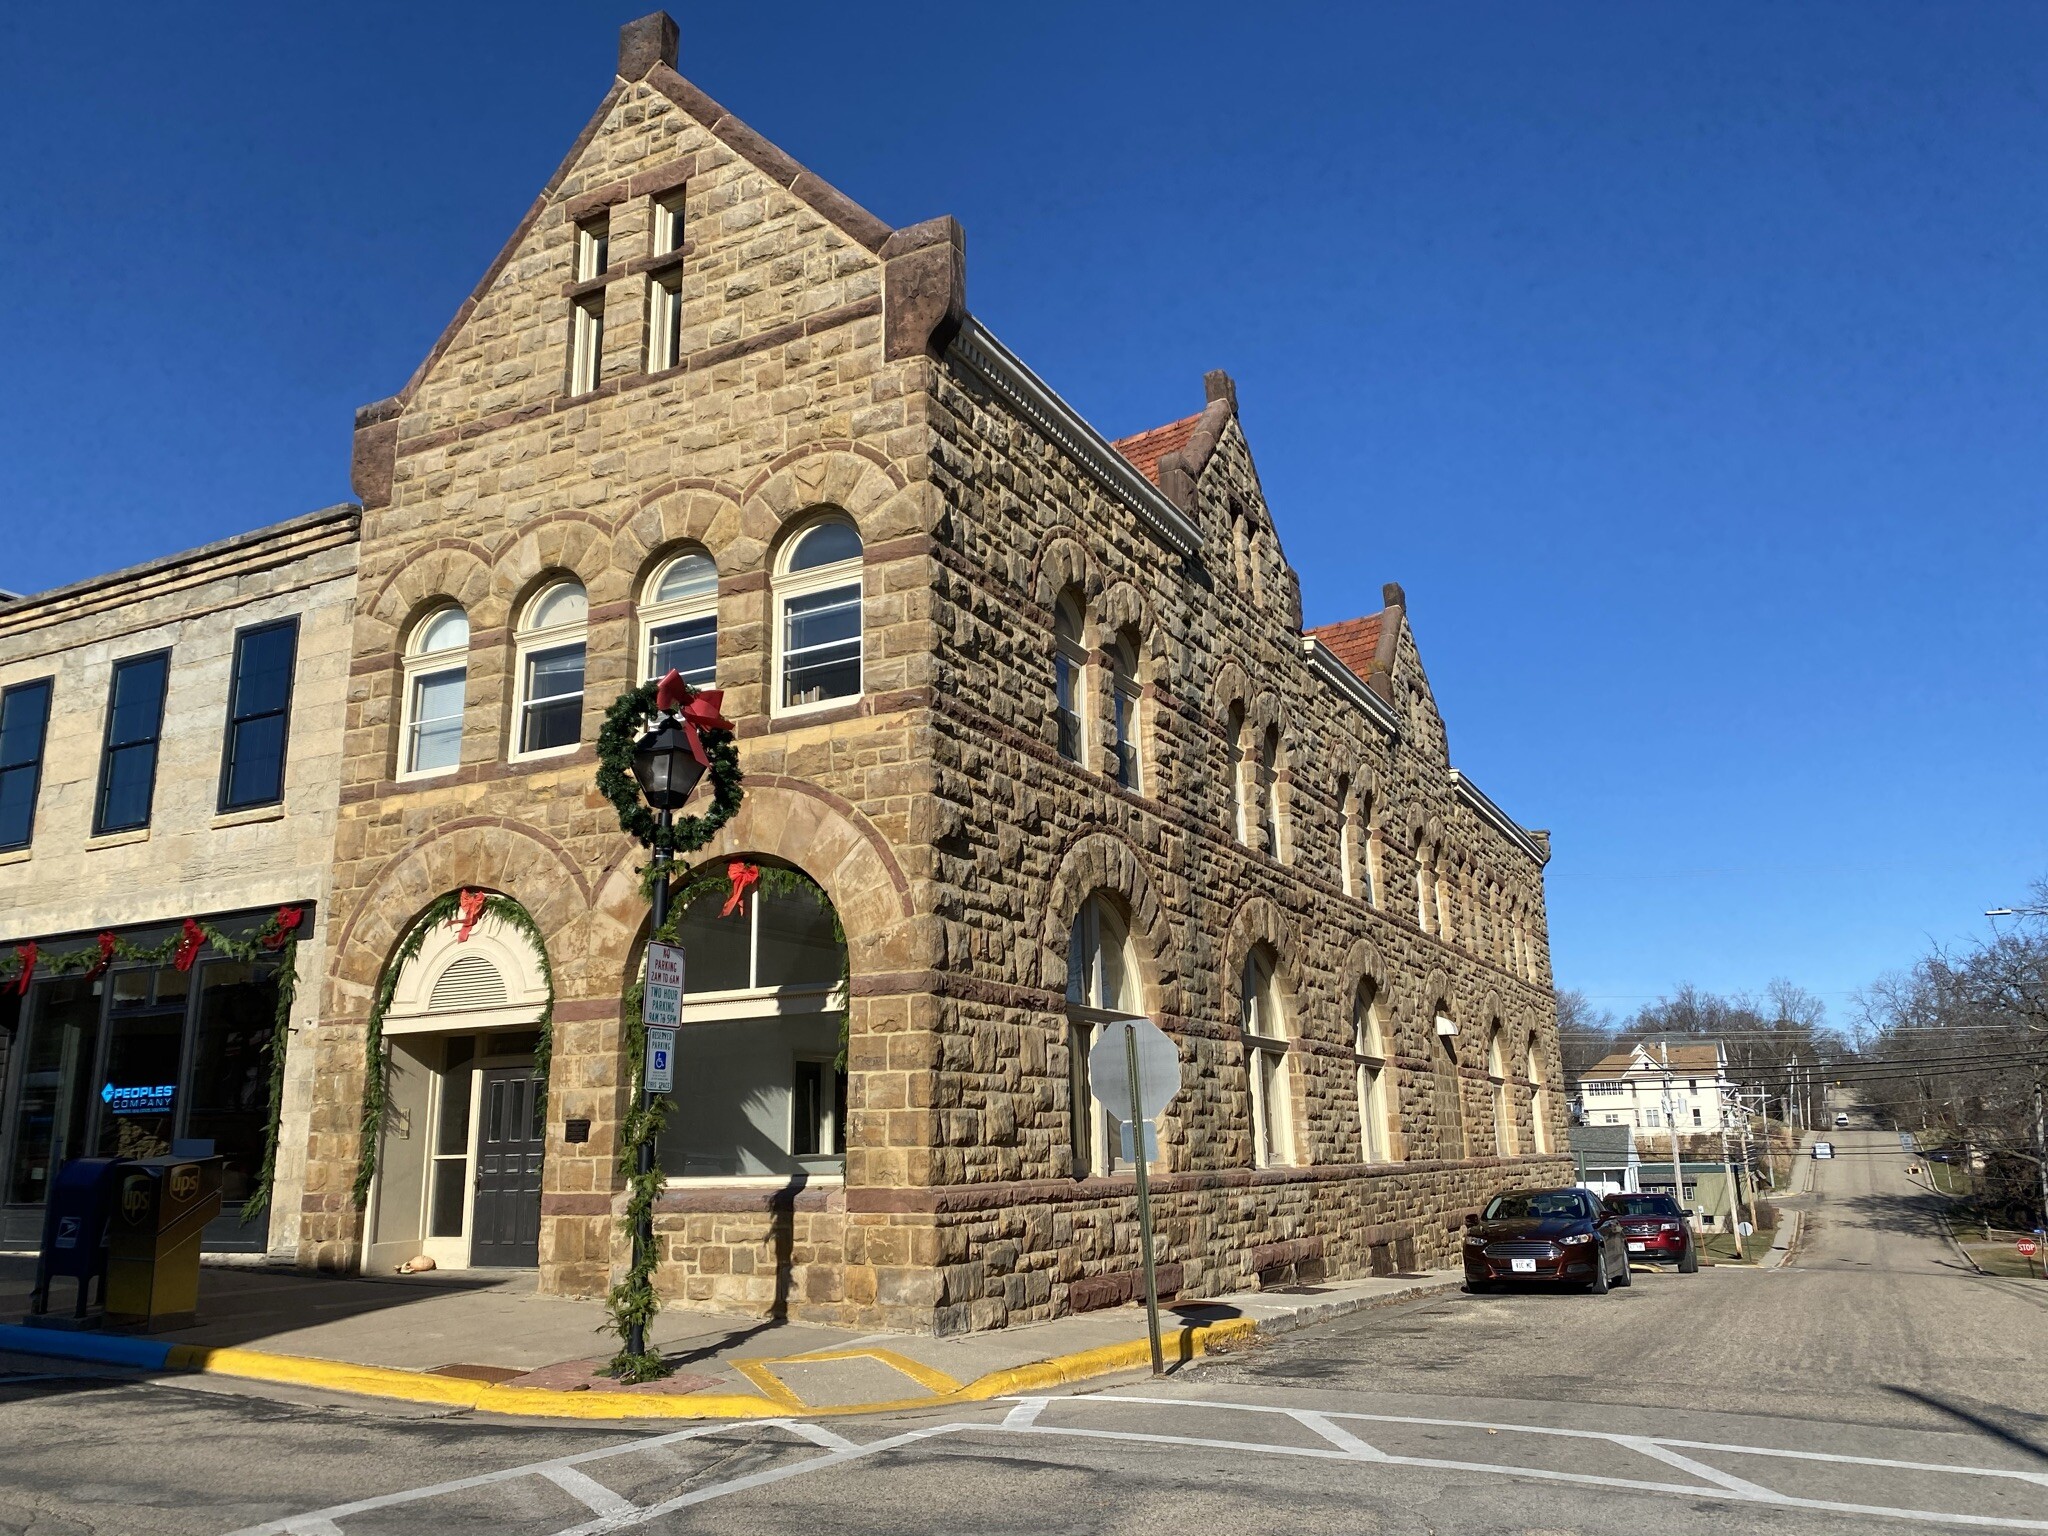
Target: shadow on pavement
pixel 1979 1418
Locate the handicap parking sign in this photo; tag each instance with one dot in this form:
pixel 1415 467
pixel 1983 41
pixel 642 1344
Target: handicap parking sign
pixel 661 1061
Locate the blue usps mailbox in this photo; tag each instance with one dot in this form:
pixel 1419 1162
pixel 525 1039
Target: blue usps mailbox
pixel 75 1228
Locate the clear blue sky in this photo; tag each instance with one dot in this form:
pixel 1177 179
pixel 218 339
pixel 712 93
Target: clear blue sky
pixel 1685 363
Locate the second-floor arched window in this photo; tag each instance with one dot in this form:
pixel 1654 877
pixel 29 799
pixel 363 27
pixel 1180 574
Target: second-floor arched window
pixel 1269 790
pixel 548 716
pixel 1102 986
pixel 1369 1047
pixel 1265 1043
pixel 1125 761
pixel 679 620
pixel 818 617
pixel 436 677
pixel 1069 663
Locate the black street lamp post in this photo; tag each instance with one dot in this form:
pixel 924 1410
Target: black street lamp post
pixel 666 766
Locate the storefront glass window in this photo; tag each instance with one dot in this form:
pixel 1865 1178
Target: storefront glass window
pixel 54 1104
pixel 230 1083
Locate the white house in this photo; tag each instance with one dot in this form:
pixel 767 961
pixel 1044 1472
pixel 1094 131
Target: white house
pixel 1654 1085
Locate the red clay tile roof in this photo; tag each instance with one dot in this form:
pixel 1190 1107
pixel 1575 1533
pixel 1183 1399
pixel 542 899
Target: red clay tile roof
pixel 1146 449
pixel 1353 641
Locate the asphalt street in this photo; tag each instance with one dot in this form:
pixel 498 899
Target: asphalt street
pixel 1875 1382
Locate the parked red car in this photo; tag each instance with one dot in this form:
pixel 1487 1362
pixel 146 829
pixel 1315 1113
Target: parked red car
pixel 1656 1229
pixel 1558 1235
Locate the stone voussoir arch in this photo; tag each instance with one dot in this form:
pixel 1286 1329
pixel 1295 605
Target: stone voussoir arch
pixel 475 853
pixel 1061 564
pixel 1363 962
pixel 1260 921
pixel 1122 607
pixel 571 544
pixel 833 479
pixel 685 513
pixel 1100 860
pixel 793 823
pixel 448 570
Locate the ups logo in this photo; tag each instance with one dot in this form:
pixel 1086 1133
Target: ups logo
pixel 184 1182
pixel 135 1196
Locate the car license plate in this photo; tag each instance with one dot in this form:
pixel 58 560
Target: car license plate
pixel 1522 1266
pixel 1638 1247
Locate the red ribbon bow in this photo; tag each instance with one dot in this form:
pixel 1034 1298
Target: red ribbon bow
pixel 26 954
pixel 697 708
pixel 107 942
pixel 742 875
pixel 282 927
pixel 471 905
pixel 191 939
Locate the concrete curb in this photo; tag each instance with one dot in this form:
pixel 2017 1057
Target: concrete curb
pixel 1182 1345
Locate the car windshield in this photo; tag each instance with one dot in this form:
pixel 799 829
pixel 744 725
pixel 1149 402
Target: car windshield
pixel 1543 1203
pixel 1641 1205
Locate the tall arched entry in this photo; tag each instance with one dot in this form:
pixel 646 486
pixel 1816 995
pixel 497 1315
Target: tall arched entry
pixel 459 1167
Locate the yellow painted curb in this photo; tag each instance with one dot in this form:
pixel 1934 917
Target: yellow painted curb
pixel 1180 1345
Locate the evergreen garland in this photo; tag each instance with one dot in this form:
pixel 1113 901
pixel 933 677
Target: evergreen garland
pixel 634 1299
pixel 276 939
pixel 442 909
pixel 623 723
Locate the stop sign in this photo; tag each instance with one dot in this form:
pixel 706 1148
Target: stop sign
pixel 2026 1247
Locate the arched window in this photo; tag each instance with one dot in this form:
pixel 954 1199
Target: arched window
pixel 1369 841
pixel 1265 1044
pixel 818 617
pixel 679 620
pixel 1425 883
pixel 1497 1090
pixel 1450 1095
pixel 1102 986
pixel 1539 1101
pixel 1238 769
pixel 548 716
pixel 1347 845
pixel 1123 714
pixel 1369 1046
pixel 1269 790
pixel 436 675
pixel 759 1049
pixel 1069 665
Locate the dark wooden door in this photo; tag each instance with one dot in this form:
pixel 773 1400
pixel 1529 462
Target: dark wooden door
pixel 507 1229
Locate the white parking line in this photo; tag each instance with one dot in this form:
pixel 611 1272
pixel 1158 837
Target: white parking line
pixel 588 1491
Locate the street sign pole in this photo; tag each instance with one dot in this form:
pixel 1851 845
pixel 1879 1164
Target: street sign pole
pixel 1139 1124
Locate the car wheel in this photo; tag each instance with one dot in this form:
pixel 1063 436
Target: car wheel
pixel 1690 1264
pixel 1625 1275
pixel 1598 1287
pixel 1478 1287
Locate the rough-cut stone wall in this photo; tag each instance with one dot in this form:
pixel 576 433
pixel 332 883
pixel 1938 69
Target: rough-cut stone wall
pixel 191 860
pixel 482 481
pixel 1031 834
pixel 936 812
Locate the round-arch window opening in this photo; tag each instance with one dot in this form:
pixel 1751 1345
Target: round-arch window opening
pixel 1102 986
pixel 680 616
pixel 818 591
pixel 763 1093
pixel 435 684
pixel 551 655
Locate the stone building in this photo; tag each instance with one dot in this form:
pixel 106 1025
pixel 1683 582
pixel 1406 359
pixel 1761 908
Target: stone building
pixel 1034 710
pixel 170 748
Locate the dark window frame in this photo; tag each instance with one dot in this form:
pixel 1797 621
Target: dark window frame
pixel 107 746
pixel 49 686
pixel 283 711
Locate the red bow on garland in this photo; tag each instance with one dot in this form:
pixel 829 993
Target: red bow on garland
pixel 471 905
pixel 283 926
pixel 106 956
pixel 742 875
pixel 191 939
pixel 696 707
pixel 26 954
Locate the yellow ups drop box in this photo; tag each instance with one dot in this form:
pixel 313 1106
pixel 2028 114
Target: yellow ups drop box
pixel 161 1209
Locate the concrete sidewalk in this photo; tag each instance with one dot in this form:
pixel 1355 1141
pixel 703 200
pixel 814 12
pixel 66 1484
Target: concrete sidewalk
pixel 489 1341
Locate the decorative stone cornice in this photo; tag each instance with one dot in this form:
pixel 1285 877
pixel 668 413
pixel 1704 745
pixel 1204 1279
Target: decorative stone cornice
pixel 1506 825
pixel 976 350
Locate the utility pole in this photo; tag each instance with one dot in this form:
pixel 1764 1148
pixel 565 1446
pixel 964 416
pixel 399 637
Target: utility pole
pixel 2041 1153
pixel 1677 1157
pixel 1728 1174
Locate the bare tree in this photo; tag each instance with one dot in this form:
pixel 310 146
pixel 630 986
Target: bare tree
pixel 1584 1033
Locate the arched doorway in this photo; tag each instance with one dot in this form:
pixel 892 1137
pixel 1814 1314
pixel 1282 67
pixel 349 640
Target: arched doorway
pixel 760 1067
pixel 459 1167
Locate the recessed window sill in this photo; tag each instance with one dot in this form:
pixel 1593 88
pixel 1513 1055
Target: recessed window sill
pixel 16 856
pixel 117 839
pixel 250 817
pixel 543 754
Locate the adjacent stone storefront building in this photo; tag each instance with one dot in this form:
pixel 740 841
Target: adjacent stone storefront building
pixel 170 748
pixel 1036 713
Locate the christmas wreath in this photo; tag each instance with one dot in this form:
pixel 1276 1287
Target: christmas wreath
pixel 710 737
